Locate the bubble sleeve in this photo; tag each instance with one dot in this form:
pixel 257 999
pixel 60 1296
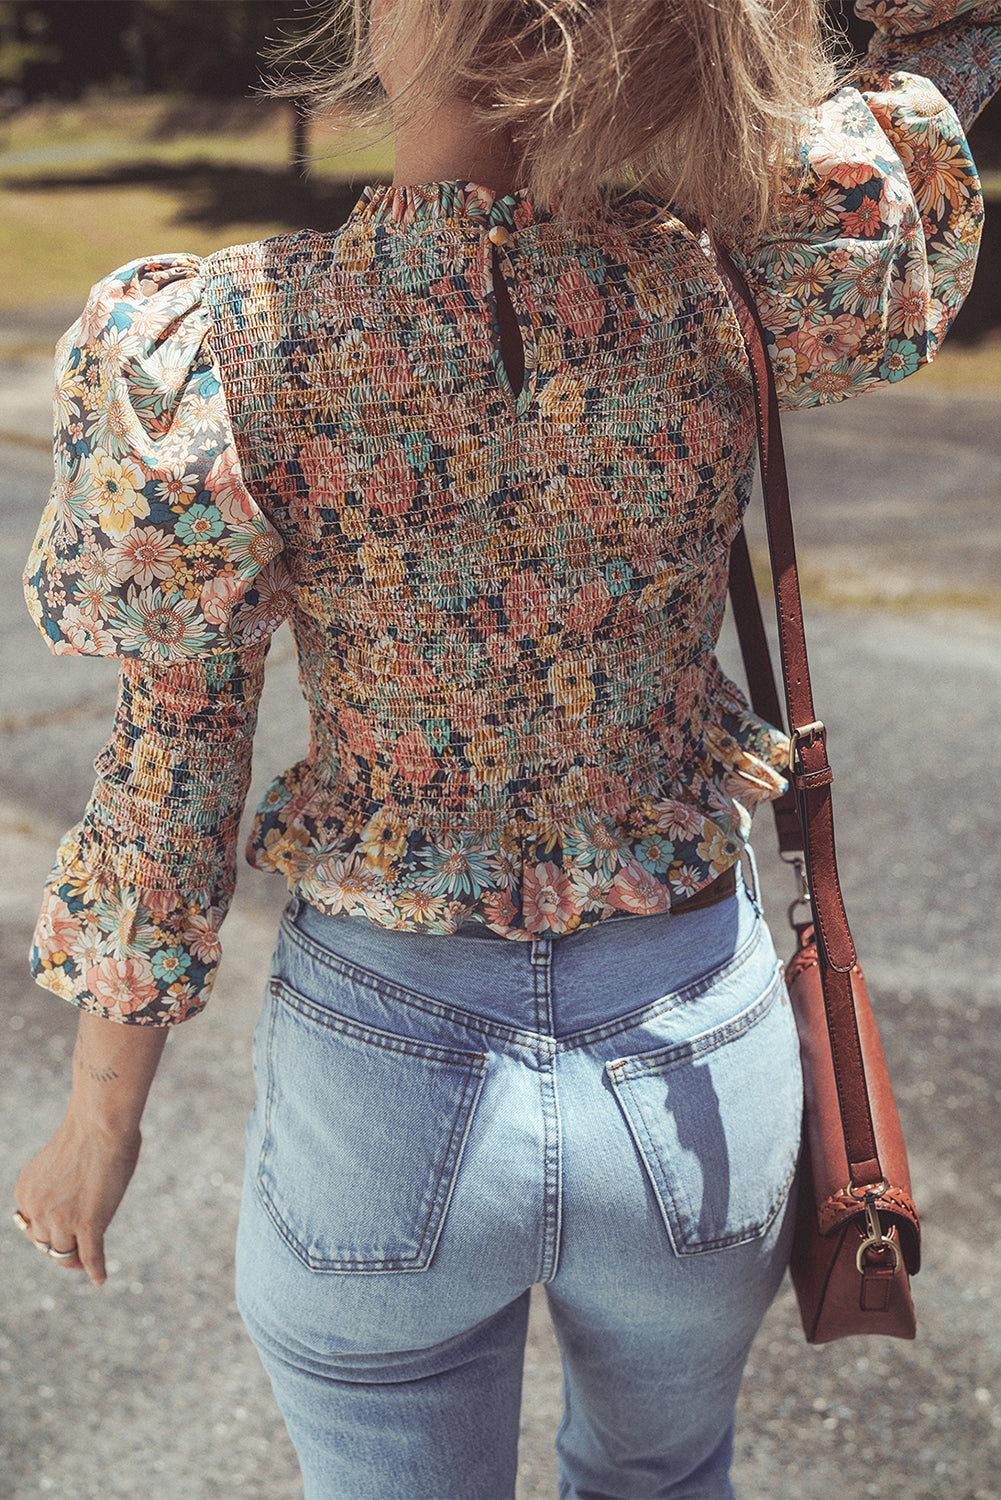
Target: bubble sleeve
pixel 152 550
pixel 875 245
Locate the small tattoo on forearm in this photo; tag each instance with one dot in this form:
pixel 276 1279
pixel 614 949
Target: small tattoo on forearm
pixel 96 1075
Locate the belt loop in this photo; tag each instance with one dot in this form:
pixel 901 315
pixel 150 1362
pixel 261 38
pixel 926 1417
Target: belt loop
pixel 750 868
pixel 292 910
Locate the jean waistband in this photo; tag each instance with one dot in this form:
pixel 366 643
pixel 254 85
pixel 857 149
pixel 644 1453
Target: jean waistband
pixel 581 980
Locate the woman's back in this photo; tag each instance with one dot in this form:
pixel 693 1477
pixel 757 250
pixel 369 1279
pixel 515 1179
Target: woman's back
pixel 506 605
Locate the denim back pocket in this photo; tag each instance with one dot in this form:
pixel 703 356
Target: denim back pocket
pixel 716 1121
pixel 362 1136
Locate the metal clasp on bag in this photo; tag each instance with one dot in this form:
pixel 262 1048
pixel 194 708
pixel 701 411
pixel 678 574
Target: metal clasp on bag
pixel 876 1239
pixel 803 898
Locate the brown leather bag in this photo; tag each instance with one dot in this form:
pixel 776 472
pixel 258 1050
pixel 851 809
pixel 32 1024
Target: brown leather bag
pixel 857 1232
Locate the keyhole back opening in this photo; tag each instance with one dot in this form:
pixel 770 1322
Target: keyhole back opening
pixel 512 348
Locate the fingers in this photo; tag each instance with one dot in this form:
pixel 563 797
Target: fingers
pixel 90 1257
pixel 62 1248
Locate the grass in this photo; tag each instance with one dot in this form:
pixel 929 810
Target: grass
pixel 873 588
pixel 961 370
pixel 85 188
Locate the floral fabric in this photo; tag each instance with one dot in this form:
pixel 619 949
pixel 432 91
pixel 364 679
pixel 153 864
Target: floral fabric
pixel 505 603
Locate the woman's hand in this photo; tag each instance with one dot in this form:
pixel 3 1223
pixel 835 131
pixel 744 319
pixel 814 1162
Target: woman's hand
pixel 68 1194
pixel 70 1191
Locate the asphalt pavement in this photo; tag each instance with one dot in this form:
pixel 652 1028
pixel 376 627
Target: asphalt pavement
pixel 148 1389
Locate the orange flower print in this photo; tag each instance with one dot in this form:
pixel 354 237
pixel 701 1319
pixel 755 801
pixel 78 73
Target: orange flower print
pixel 392 487
pixel 57 932
pixel 937 169
pixel 121 986
pixel 146 554
pixel 217 597
pixel 526 604
pixel 637 890
pixel 547 899
pixel 229 493
pixel 863 222
pixel 413 759
pixel 825 339
pixel 588 606
pixel 579 304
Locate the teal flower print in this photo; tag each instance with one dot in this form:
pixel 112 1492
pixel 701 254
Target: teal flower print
pixel 901 359
pixel 199 523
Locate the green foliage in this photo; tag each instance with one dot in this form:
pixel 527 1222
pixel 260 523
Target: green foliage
pixel 64 49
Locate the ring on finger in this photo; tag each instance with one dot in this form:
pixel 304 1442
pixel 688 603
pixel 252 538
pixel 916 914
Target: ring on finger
pixel 42 1245
pixel 61 1254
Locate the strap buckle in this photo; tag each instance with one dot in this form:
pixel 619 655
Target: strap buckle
pixel 805 736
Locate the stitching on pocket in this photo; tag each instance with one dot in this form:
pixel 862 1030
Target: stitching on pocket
pixel 666 1176
pixel 370 1034
pixel 468 1070
pixel 625 1068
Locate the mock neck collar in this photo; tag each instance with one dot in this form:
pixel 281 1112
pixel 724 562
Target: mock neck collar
pixel 467 201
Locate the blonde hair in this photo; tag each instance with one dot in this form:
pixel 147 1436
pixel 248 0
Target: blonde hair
pixel 699 103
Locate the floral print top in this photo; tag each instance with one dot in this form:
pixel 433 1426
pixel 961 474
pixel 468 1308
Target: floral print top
pixel 505 602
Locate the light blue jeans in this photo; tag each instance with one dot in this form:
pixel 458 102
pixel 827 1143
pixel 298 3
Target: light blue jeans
pixel 442 1122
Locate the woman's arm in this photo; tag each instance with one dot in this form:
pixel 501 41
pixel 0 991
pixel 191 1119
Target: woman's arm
pixel 70 1191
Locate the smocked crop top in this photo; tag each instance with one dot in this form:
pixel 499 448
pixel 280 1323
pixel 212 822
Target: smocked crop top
pixel 505 605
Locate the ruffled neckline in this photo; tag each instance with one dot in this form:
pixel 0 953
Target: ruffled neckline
pixel 469 202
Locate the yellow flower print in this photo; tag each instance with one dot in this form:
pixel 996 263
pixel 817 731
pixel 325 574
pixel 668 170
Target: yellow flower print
pixel 352 519
pixel 117 500
pixel 562 399
pixel 466 466
pixel 151 763
pixel 382 563
pixel 718 851
pixel 67 391
pixel 353 355
pixel 659 589
pixel 571 686
pixel 354 252
pixel 380 782
pixel 549 349
pixel 383 840
pixel 58 981
pixel 651 289
pixel 420 905
pixel 573 789
pixel 490 757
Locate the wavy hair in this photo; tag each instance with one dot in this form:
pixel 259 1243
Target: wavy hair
pixel 700 104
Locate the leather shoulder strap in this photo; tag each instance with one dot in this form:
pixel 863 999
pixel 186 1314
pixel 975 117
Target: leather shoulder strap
pixel 810 773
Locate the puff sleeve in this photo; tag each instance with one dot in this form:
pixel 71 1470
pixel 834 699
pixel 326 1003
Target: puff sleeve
pixel 876 245
pixel 152 550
